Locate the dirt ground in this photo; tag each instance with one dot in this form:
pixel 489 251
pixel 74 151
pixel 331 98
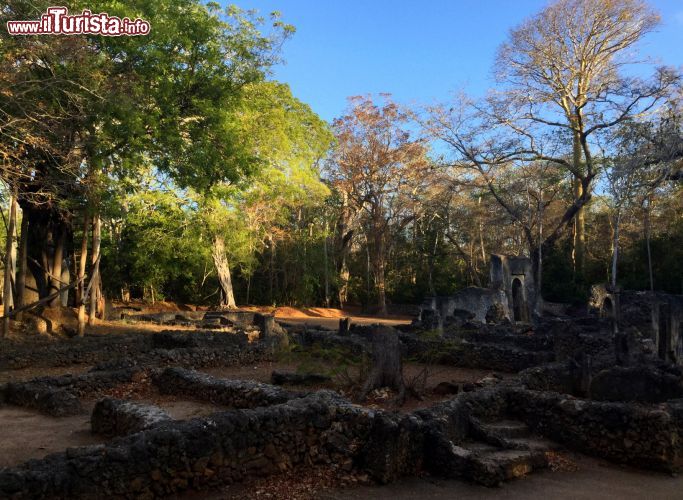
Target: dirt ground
pixel 594 479
pixel 589 479
pixel 26 434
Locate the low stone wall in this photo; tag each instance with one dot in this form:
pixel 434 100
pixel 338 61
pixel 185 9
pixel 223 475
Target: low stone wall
pixel 527 342
pixel 643 436
pixel 639 383
pixel 231 393
pixel 41 351
pixel 60 396
pixel 55 402
pixel 177 348
pixel 501 357
pixel 556 377
pixel 223 448
pixel 114 417
pixel 355 343
pixel 173 339
pixel 199 318
pixel 323 428
pixel 508 353
pixel 571 339
pixel 495 357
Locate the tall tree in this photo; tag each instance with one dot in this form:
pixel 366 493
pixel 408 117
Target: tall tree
pixel 80 106
pixel 376 164
pixel 564 67
pixel 287 139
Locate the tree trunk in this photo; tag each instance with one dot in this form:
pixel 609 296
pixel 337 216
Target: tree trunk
pixel 80 292
pixel 56 268
pixel 326 269
pixel 387 368
pixel 378 264
pixel 580 221
pixel 481 232
pixel 20 284
pixel 615 248
pixel 220 261
pixel 95 259
pixel 342 245
pixel 430 266
pixel 7 290
pixel 647 243
pixel 271 271
pixel 344 276
pixel 367 274
pixel 248 288
pixel 538 274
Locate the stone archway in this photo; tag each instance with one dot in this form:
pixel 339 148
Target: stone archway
pixel 519 308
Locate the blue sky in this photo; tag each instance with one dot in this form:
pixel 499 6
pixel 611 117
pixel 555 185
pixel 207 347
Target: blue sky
pixel 419 51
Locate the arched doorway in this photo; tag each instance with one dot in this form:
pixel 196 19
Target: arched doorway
pixel 607 308
pixel 518 302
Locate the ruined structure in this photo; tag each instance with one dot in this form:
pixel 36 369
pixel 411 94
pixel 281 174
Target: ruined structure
pixel 487 431
pixel 511 296
pixel 514 276
pixel 653 316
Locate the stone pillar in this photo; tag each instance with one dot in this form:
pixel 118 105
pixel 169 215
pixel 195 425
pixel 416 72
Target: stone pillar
pixel 344 326
pixel 270 331
pixel 265 323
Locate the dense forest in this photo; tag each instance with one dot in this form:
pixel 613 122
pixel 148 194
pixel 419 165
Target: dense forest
pixel 174 167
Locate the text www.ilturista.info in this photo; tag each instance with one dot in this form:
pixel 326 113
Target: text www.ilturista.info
pixel 56 21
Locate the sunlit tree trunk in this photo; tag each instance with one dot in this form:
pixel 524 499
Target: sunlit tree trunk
pixel 344 277
pixel 580 221
pixel 95 278
pixel 7 289
pixel 20 284
pixel 327 271
pixel 220 261
pixel 482 248
pixel 80 293
pixel 271 271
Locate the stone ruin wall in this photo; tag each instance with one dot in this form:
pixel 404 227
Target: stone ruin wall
pixel 156 456
pixel 510 296
pixel 655 316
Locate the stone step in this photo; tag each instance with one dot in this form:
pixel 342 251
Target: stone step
pixel 494 467
pixel 479 447
pixel 532 443
pixel 506 429
pixel 490 465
